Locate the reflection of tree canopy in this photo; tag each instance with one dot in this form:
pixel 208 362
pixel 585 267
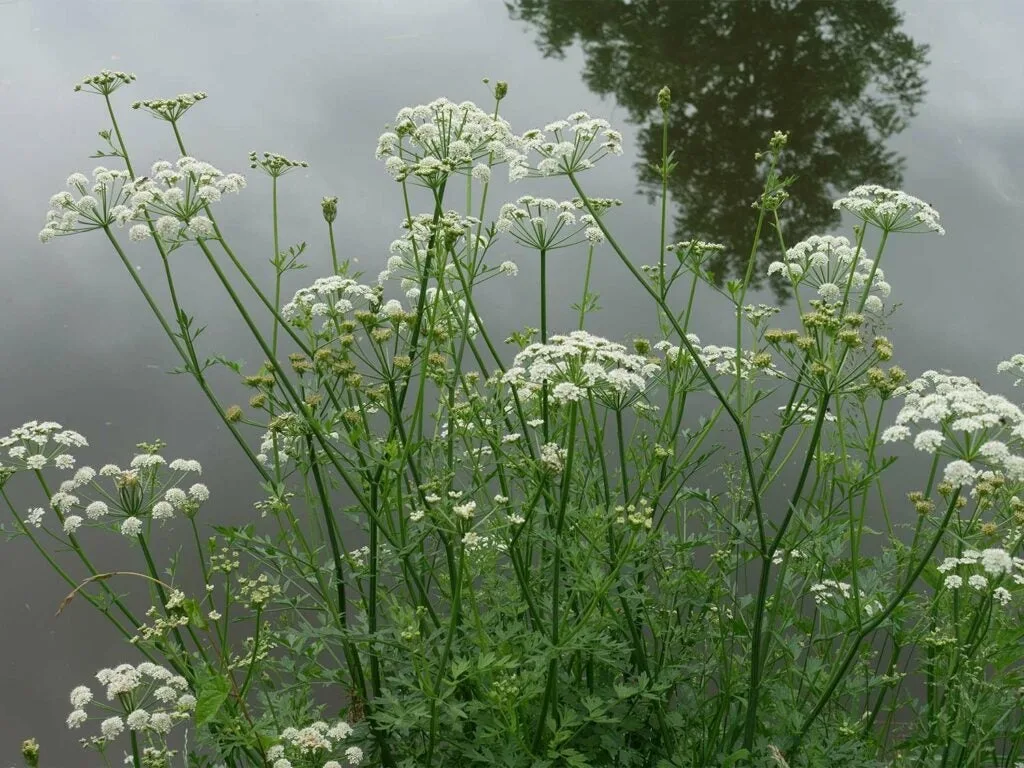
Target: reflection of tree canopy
pixel 837 75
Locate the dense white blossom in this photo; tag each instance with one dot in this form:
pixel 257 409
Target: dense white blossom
pixel 951 407
pixel 565 146
pixel 890 209
pixel 578 364
pixel 431 141
pixel 546 224
pixel 828 264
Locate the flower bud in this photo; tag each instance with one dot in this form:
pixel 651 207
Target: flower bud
pixel 330 208
pixel 500 90
pixel 30 751
pixel 664 98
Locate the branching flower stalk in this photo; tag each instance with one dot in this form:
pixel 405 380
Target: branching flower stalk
pixel 542 554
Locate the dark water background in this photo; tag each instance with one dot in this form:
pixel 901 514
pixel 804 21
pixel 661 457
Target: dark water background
pixel 851 80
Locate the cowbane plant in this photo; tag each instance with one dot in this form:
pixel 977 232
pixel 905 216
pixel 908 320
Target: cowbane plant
pixel 550 548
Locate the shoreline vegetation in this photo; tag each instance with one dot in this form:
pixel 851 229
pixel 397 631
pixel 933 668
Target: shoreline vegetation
pixel 543 576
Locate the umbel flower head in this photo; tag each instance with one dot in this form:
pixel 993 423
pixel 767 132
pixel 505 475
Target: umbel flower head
pixel 546 224
pixel 431 141
pixel 104 202
pixel 890 209
pixel 952 416
pixel 147 699
pixel 170 110
pixel 317 741
pixel 824 263
pixel 718 359
pixel 274 165
pixel 575 144
pixel 105 82
pixel 176 194
pixel 579 365
pixel 36 445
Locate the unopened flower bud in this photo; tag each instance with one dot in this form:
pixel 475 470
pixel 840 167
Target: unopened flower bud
pixel 664 98
pixel 30 751
pixel 330 208
pixel 500 90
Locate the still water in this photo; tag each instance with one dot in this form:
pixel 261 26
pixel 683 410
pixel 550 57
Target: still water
pixel 921 94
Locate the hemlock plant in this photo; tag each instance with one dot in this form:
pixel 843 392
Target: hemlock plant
pixel 477 553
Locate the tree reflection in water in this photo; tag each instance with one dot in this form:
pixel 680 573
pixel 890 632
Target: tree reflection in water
pixel 838 76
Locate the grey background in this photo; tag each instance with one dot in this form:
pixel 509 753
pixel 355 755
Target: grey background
pixel 317 81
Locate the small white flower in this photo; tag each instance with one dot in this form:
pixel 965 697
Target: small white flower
pixel 138 233
pixel 72 523
pixel 954 582
pixel 465 511
pixel 132 526
pixel 354 755
pixel 996 561
pixel 168 227
pixel 76 718
pixel 111 727
pixel 161 722
pixel 162 510
pixel 509 268
pixel 175 496
pixel 137 719
pixel 35 517
pixel 186 465
pixel 80 696
pixel 929 440
pixel 340 731
pixel 1002 595
pixel 977 581
pixel 959 472
pixel 64 461
pixel 199 492
pixel 96 510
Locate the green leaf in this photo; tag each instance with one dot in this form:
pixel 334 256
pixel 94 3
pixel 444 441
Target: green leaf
pixel 735 757
pixel 213 692
pixel 194 613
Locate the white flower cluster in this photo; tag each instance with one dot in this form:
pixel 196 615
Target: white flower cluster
pixel 331 298
pixel 830 591
pixel 308 746
pixel 890 209
pixel 175 195
pixel 824 262
pixel 431 141
pixel 171 200
pixel 103 202
pixel 575 144
pixel 150 700
pixel 579 365
pixel 148 488
pixel 996 563
pixel 963 422
pixel 546 224
pixel 1014 365
pixel 717 359
pixel 804 413
pixel 38 444
pixel 408 254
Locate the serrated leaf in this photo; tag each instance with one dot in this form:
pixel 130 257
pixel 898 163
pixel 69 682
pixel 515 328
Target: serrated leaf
pixel 213 692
